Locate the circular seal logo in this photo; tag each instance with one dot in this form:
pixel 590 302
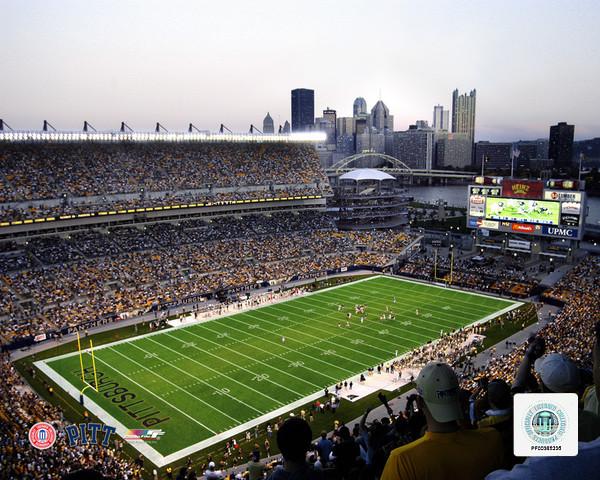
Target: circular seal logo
pixel 545 423
pixel 42 435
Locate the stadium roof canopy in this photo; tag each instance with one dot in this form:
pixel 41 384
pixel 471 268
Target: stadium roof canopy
pixel 366 174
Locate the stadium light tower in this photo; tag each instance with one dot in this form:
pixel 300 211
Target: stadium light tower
pixel 159 127
pixel 4 124
pixel 125 128
pixel 87 125
pixel 252 128
pixel 222 129
pixel 46 125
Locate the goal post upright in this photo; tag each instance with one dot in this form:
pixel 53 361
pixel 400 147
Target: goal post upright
pixel 84 381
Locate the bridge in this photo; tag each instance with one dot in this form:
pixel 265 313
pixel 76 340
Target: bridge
pixel 397 168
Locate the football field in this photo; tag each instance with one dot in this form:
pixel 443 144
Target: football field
pixel 210 381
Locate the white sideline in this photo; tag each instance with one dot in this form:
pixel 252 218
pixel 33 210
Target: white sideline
pixel 162 460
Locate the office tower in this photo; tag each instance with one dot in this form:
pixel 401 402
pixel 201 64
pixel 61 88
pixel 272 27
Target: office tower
pixel 452 149
pixel 359 109
pixel 381 120
pixel 370 141
pixel 303 109
pixel 414 147
pixel 346 126
pixel 268 126
pixel 560 147
pixel 327 124
pixel 440 118
pixel 421 124
pixel 286 127
pixel 331 116
pixel 463 113
pixel 497 155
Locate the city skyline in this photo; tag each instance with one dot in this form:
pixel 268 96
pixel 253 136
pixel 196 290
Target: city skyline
pixel 147 62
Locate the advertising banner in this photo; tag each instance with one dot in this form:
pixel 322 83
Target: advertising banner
pixel 489 224
pixel 563 232
pixel 562 196
pixel 570 220
pixel 476 205
pixel 522 188
pixel 523 228
pixel 570 208
pixel 520 244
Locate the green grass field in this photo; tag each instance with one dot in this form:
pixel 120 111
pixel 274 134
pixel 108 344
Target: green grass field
pixel 214 380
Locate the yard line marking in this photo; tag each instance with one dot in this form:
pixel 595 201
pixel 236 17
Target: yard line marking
pixel 320 340
pixel 358 331
pixel 225 376
pixel 453 322
pixel 403 313
pixel 262 362
pixel 154 395
pixel 458 294
pixel 363 326
pixel 173 384
pixel 219 375
pixel 407 313
pixel 376 301
pixel 292 350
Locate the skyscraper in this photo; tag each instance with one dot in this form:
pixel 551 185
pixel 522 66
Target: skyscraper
pixel 440 118
pixel 381 119
pixel 414 147
pixel 359 108
pixel 286 127
pixel 463 113
pixel 560 148
pixel 268 126
pixel 303 109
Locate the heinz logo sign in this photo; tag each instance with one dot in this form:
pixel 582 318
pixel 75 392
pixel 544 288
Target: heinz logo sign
pixel 560 232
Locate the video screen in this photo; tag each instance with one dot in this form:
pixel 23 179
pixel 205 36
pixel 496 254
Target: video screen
pixel 523 210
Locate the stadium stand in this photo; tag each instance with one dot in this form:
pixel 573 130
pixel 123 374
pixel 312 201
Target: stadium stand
pixel 47 180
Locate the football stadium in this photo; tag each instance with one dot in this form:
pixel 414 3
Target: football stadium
pixel 224 257
pixel 227 375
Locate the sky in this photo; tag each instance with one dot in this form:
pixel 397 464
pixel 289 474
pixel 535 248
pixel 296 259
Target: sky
pixel 533 63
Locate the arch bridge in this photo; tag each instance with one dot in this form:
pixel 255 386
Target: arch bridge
pixel 398 167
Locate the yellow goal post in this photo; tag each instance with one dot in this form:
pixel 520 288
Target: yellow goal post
pixel 91 352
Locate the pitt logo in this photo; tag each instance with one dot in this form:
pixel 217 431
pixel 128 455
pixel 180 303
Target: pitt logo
pixel 520 188
pixel 79 433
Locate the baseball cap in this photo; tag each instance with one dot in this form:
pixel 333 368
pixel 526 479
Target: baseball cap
pixel 211 465
pixel 558 372
pixel 498 392
pixel 438 386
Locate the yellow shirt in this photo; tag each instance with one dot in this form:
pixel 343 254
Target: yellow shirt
pixel 464 455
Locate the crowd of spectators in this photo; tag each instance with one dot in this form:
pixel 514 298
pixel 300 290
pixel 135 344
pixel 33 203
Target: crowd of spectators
pixel 20 408
pixel 40 180
pixel 95 274
pixel 467 273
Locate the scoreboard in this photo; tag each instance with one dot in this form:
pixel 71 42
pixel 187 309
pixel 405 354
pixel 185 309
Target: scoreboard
pixel 554 208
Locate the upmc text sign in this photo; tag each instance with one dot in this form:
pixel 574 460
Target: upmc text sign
pixel 560 232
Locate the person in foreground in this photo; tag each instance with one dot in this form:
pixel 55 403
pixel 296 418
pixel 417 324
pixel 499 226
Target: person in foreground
pixel 294 440
pixel 445 451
